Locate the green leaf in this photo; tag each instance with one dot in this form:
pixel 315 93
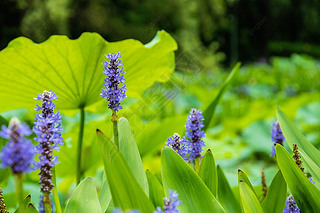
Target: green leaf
pixel 156 192
pixel 105 195
pixel 306 194
pixel 31 209
pixel 244 178
pixel 25 204
pixel 249 200
pixel 208 113
pixel 294 136
pixel 125 190
pixel 275 200
pixel 225 194
pixel 310 154
pixel 130 151
pixel 179 176
pixel 73 68
pixel 84 198
pixel 5 175
pixel 208 172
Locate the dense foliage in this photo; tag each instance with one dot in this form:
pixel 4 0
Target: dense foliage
pixel 112 157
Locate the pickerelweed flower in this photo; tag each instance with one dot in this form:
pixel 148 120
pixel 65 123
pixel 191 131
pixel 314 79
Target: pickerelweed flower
pixel 178 144
pixel 291 206
pixel 276 136
pixel 310 178
pixel 48 130
pixel 19 152
pixel 170 204
pixel 113 92
pixel 194 133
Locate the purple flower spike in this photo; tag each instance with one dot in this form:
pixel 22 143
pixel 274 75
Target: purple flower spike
pixel 194 133
pixel 19 152
pixel 276 137
pixel 48 130
pixel 178 144
pixel 170 204
pixel 291 206
pixel 113 92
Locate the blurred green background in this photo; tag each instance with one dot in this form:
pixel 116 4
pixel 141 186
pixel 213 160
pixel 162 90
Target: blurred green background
pixel 278 43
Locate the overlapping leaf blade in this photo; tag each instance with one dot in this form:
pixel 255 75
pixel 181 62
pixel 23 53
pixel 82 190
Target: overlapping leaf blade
pixel 249 200
pixel 125 190
pixel 84 198
pixel 306 194
pixel 208 172
pixel 178 175
pixel 225 193
pixel 294 136
pixel 276 196
pixel 130 151
pixel 156 192
pixel 73 68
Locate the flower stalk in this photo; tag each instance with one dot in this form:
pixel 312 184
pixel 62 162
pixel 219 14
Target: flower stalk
pixel 3 207
pixel 80 142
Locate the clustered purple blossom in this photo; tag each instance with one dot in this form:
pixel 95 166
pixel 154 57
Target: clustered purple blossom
pixel 291 206
pixel 194 133
pixel 113 92
pixel 178 144
pixel 18 152
pixel 48 130
pixel 170 204
pixel 276 137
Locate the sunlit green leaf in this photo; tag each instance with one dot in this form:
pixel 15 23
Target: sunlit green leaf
pixel 73 68
pixel 306 194
pixel 179 176
pixel 249 200
pixel 208 172
pixel 31 209
pixel 125 190
pixel 276 197
pixel 130 151
pixel 84 198
pixel 244 178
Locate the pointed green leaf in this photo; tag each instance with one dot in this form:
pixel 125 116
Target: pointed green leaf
pixel 312 168
pixel 105 195
pixel 125 190
pixel 31 209
pixel 276 197
pixel 84 198
pixel 130 151
pixel 208 172
pixel 225 194
pixel 249 200
pixel 73 68
pixel 243 177
pixel 294 136
pixel 156 192
pixel 179 176
pixel 25 204
pixel 306 194
pixel 208 113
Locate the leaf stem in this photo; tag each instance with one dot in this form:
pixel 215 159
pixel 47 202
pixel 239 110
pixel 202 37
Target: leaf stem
pixel 55 191
pixel 114 119
pixel 19 188
pixel 79 151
